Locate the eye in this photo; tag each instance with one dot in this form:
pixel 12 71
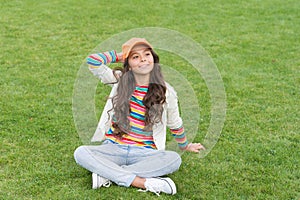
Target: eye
pixel 135 57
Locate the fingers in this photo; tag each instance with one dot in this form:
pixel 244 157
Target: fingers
pixel 202 147
pixel 199 146
pixel 196 147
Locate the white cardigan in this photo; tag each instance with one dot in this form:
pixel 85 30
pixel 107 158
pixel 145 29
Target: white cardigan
pixel 170 115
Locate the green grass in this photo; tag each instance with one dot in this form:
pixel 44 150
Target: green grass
pixel 255 45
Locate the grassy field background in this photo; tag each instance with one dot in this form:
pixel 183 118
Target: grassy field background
pixel 255 44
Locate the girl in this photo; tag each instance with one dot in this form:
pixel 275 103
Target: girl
pixel 142 104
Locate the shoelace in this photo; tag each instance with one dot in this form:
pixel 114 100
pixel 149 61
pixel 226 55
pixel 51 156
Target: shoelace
pixel 106 184
pixel 150 190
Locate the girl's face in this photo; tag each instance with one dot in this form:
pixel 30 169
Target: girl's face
pixel 140 60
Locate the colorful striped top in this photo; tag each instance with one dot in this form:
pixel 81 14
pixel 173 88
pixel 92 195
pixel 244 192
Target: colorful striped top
pixel 137 135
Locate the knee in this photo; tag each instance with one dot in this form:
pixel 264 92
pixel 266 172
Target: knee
pixel 176 159
pixel 79 153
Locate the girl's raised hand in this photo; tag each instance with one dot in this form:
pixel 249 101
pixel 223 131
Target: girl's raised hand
pixel 120 57
pixel 195 147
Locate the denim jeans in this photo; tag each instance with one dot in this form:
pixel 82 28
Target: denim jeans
pixel 122 163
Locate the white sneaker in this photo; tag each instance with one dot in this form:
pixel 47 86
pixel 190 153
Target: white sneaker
pixel 157 185
pixel 99 181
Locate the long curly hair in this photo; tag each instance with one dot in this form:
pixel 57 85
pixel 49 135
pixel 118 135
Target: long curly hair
pixel 153 100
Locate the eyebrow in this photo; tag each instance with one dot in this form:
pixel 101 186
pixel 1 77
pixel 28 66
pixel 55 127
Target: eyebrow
pixel 144 49
pixel 135 52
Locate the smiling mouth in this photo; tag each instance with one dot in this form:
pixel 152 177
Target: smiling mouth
pixel 143 66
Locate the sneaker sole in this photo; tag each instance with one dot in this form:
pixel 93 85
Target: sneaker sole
pixel 171 184
pixel 95 181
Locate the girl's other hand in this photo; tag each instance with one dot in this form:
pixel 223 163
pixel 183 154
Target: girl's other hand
pixel 195 147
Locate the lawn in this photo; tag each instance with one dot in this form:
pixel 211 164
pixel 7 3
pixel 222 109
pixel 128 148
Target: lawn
pixel 254 45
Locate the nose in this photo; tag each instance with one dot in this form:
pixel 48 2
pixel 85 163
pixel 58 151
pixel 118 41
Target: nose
pixel 143 59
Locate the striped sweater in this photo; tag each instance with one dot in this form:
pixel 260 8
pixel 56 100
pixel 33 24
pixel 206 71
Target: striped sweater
pixel 137 135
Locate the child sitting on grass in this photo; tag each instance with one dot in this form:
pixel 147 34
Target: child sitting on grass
pixel 141 107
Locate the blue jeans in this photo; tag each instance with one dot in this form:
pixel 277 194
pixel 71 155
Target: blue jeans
pixel 122 163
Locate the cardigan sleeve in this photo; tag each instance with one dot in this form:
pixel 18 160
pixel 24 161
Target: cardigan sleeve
pixel 174 121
